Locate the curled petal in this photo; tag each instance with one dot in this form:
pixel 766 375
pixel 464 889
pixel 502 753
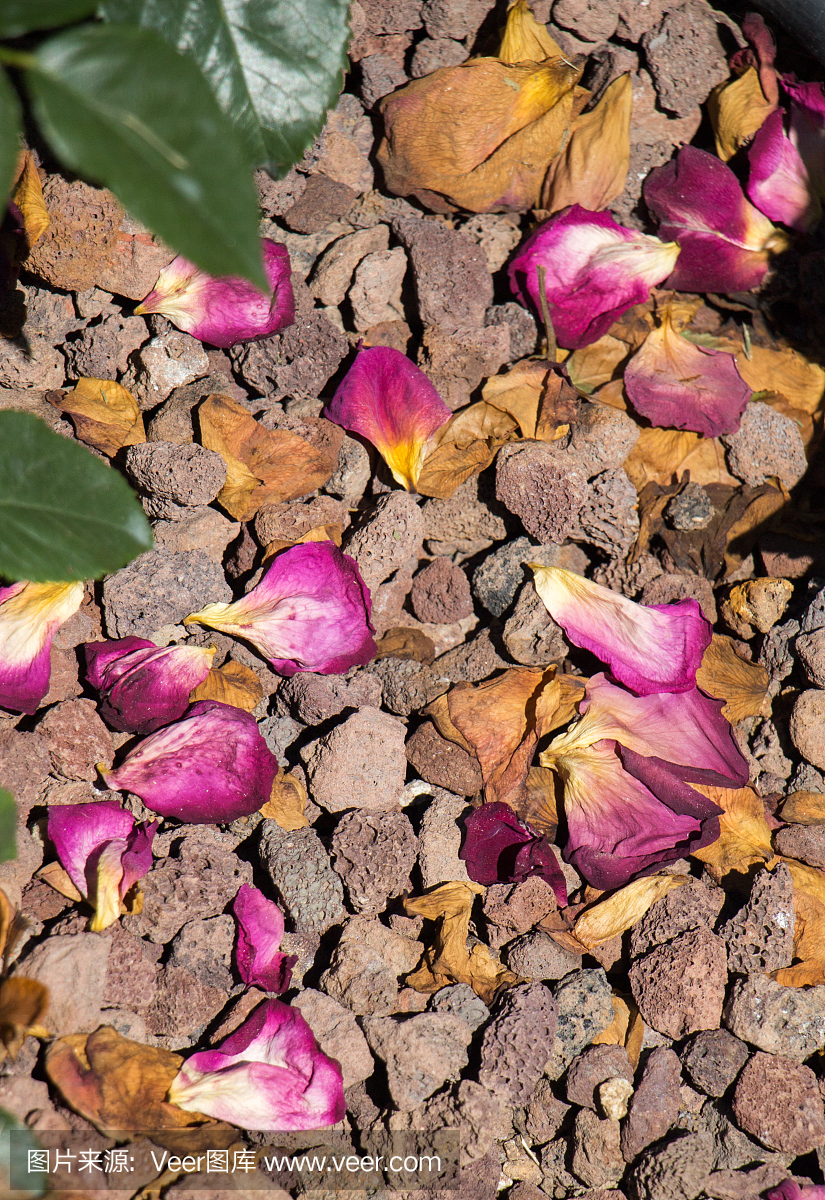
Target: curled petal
pixel 390 402
pixel 686 729
pixel 141 686
pixel 225 310
pixel 260 929
pixel 678 385
pixel 595 270
pixel 725 242
pixel 501 848
pixel 618 827
pixel 791 1190
pixel 30 613
pixel 648 647
pixel 310 612
pixel 213 765
pixel 269 1074
pixel 102 851
pixel 779 183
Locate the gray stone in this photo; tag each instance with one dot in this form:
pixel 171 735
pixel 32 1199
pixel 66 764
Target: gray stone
pixel 73 968
pixel 158 589
pixel 779 1020
pixel 440 840
pixel 298 864
pixel 360 764
pixel 337 1033
pixel 420 1053
pixel 585 1006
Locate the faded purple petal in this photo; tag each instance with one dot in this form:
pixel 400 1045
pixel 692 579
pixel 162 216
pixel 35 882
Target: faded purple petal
pixel 260 929
pixel 595 271
pixel 501 848
pixel 211 766
pixel 310 612
pixel 227 309
pixel 678 385
pixel 760 53
pixel 391 402
pixel 30 614
pixel 269 1074
pixel 618 827
pixel 686 729
pixel 724 240
pixel 779 184
pixel 648 647
pixel 141 686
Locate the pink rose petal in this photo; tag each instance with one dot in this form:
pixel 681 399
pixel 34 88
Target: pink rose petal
pixel 648 647
pixel 595 271
pixel 725 242
pixel 391 402
pixel 141 686
pixel 678 385
pixel 627 815
pixel 269 1074
pixel 779 183
pixel 225 310
pixel 211 766
pixel 260 930
pixel 30 614
pixel 310 612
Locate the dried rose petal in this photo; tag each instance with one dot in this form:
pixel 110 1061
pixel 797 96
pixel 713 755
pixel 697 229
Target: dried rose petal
pixel 224 310
pixel 501 848
pixel 102 851
pixel 30 613
pixel 808 127
pixel 595 271
pixel 648 647
pixel 725 242
pixel 779 183
pixel 213 765
pixel 678 385
pixel 260 930
pixel 686 729
pixel 141 686
pixel 269 1074
pixel 791 1190
pixel 390 402
pixel 310 612
pixel 626 814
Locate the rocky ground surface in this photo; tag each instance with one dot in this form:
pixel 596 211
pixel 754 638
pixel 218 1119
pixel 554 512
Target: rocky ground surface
pixel 719 1091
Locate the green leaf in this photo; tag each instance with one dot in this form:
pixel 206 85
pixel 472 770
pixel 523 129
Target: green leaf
pixel 275 65
pixel 8 826
pixel 121 107
pixel 20 16
pixel 9 134
pixel 64 514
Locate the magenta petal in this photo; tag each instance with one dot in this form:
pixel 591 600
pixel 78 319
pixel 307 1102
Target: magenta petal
pixel 808 127
pixel 618 826
pixel 678 385
pixel 227 309
pixel 269 1074
pixel 648 647
pixel 724 239
pixel 78 831
pixel 310 612
pixel 260 929
pixel 686 729
pixel 595 271
pixel 30 614
pixel 790 1190
pixel 137 858
pixel 142 686
pixel 501 848
pixel 779 184
pixel 391 402
pixel 213 765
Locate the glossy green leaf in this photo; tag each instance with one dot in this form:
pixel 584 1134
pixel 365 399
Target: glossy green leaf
pixel 8 826
pixel 275 65
pixel 64 514
pixel 20 16
pixel 123 108
pixel 9 133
